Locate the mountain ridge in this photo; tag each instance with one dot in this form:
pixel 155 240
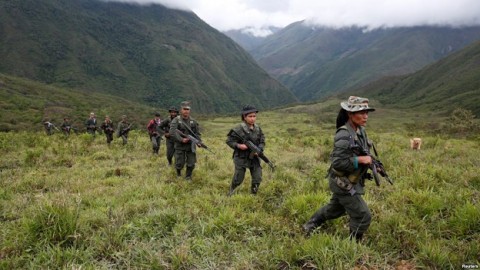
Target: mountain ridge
pixel 315 62
pixel 151 54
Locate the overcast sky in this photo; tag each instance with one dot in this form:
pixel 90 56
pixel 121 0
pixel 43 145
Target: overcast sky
pixel 259 14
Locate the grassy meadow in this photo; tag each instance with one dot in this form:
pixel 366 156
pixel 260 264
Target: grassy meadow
pixel 75 203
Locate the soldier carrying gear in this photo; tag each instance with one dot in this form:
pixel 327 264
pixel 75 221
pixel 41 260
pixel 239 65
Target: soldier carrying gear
pixel 155 132
pixel 67 127
pixel 108 127
pixel 91 124
pixel 242 154
pixel 180 128
pixel 123 129
pixel 165 126
pixel 348 171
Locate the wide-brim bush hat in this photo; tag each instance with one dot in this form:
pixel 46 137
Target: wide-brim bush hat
pixel 356 104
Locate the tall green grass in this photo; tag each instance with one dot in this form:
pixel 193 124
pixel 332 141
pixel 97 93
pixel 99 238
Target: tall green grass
pixel 77 203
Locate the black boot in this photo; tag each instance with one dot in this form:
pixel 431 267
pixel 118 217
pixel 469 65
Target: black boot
pixel 188 175
pixel 233 186
pixel 179 173
pixel 357 235
pixel 311 225
pixel 254 188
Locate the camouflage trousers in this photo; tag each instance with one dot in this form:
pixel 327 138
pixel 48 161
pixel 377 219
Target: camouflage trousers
pixel 109 136
pixel 183 157
pixel 124 139
pixel 241 165
pixel 170 149
pixel 155 143
pixel 354 206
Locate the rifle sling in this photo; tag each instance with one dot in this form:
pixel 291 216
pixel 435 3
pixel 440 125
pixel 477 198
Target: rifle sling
pixel 188 128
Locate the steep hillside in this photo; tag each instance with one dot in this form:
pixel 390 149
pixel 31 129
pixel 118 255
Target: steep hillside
pixel 25 104
pixel 150 54
pixel 246 39
pixel 450 83
pixel 315 62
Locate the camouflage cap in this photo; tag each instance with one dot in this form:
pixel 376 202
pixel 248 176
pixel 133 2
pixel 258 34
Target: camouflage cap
pixel 356 104
pixel 249 109
pixel 173 109
pixel 185 105
pixel 124 116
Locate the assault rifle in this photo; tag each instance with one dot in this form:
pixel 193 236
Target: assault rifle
pixel 376 166
pixel 195 141
pixel 125 130
pixel 254 149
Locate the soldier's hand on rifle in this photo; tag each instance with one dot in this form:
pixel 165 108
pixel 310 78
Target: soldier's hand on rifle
pixel 242 146
pixel 367 160
pixel 185 140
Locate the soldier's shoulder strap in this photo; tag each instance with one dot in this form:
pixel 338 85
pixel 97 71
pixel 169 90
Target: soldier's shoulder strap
pixel 349 137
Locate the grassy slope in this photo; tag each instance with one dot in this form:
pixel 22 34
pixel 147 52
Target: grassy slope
pixel 25 104
pixel 76 203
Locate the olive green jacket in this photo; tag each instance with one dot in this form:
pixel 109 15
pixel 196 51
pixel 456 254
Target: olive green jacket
pixel 185 127
pixel 344 161
pixel 255 135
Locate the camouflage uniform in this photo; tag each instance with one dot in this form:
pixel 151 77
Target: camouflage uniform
pixel 48 127
pixel 170 142
pixel 109 129
pixel 184 152
pixel 346 181
pixel 66 127
pixel 243 159
pixel 123 129
pixel 91 125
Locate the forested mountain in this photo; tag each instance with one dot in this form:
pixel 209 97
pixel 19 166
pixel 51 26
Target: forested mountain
pixel 315 62
pixel 450 83
pixel 146 53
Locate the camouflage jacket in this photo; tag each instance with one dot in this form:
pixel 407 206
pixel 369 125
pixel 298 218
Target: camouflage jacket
pixel 123 128
pixel 255 135
pixel 91 123
pixel 185 127
pixel 165 126
pixel 344 159
pixel 108 128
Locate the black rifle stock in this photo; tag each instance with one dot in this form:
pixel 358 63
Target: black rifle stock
pixel 376 166
pixel 255 149
pixel 125 130
pixel 195 141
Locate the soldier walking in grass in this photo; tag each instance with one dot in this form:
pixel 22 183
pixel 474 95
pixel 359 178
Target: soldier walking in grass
pixel 348 171
pixel 108 127
pixel 91 124
pixel 185 151
pixel 66 126
pixel 155 133
pixel 123 129
pixel 49 126
pixel 165 126
pixel 243 157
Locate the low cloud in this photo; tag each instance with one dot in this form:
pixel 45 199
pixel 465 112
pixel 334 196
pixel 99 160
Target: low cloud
pixel 256 16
